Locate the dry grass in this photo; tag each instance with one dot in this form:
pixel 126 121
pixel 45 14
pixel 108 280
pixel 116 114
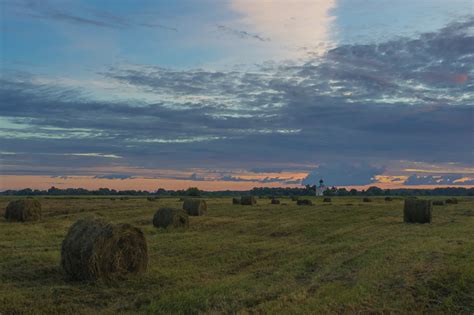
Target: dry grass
pixel 346 256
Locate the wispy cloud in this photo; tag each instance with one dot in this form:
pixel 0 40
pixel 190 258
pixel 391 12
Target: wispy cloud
pixel 242 34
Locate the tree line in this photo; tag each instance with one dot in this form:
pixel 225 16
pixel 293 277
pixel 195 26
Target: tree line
pixel 258 191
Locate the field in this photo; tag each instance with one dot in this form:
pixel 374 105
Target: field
pixel 341 257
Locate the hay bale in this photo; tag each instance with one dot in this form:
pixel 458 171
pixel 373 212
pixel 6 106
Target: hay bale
pixel 367 199
pixel 236 201
pixel 169 217
pixel 304 202
pixel 23 210
pixel 438 203
pixel 417 211
pixel 275 202
pixel 248 200
pixel 95 249
pixel 327 199
pixel 152 198
pixel 452 201
pixel 195 207
pixel 388 199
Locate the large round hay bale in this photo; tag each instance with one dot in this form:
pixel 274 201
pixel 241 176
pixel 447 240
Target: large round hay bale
pixel 417 211
pixel 367 199
pixel 23 210
pixel 438 203
pixel 236 201
pixel 169 217
pixel 327 199
pixel 195 207
pixel 95 249
pixel 248 200
pixel 275 202
pixel 304 202
pixel 388 199
pixel 452 201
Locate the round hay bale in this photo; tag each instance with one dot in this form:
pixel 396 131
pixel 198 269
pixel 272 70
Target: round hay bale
pixel 438 203
pixel 95 249
pixel 169 217
pixel 417 211
pixel 23 210
pixel 304 202
pixel 275 202
pixel 151 198
pixel 452 201
pixel 388 199
pixel 367 199
pixel 248 200
pixel 327 199
pixel 236 201
pixel 195 207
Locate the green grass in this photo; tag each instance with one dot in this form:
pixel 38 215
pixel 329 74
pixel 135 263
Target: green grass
pixel 345 256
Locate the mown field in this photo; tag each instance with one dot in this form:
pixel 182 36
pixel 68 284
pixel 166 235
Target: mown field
pixel 340 257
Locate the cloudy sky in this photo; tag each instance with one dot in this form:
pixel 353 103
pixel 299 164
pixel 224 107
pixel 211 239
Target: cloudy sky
pixel 236 94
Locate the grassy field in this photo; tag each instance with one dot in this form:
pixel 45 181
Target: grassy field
pixel 341 257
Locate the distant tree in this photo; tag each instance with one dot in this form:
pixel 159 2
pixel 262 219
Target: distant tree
pixel 374 191
pixel 193 191
pixel 353 192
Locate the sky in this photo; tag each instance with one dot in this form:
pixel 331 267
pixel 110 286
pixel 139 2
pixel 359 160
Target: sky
pixel 235 94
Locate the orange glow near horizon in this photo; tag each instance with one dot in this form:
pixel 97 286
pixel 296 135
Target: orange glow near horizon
pixel 16 182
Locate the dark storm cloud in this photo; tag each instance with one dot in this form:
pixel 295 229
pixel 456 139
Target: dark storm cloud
pixel 344 173
pixel 407 99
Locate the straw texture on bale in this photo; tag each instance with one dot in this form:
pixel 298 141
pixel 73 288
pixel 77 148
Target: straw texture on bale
pixel 169 217
pixel 327 200
pixel 417 211
pixel 236 201
pixel 275 202
pixel 97 250
pixel 367 199
pixel 304 202
pixel 248 200
pixel 452 201
pixel 195 207
pixel 438 203
pixel 23 210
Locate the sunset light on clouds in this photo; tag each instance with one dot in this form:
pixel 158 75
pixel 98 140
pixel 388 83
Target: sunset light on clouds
pixel 236 94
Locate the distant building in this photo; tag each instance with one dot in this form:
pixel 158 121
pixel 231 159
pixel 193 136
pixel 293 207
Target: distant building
pixel 321 188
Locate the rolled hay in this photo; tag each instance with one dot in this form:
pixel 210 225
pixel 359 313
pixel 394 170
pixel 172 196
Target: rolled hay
pixel 195 207
pixel 275 202
pixel 304 202
pixel 23 210
pixel 367 199
pixel 438 203
pixel 236 201
pixel 388 199
pixel 452 201
pixel 152 198
pixel 169 217
pixel 417 211
pixel 248 200
pixel 97 250
pixel 327 199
